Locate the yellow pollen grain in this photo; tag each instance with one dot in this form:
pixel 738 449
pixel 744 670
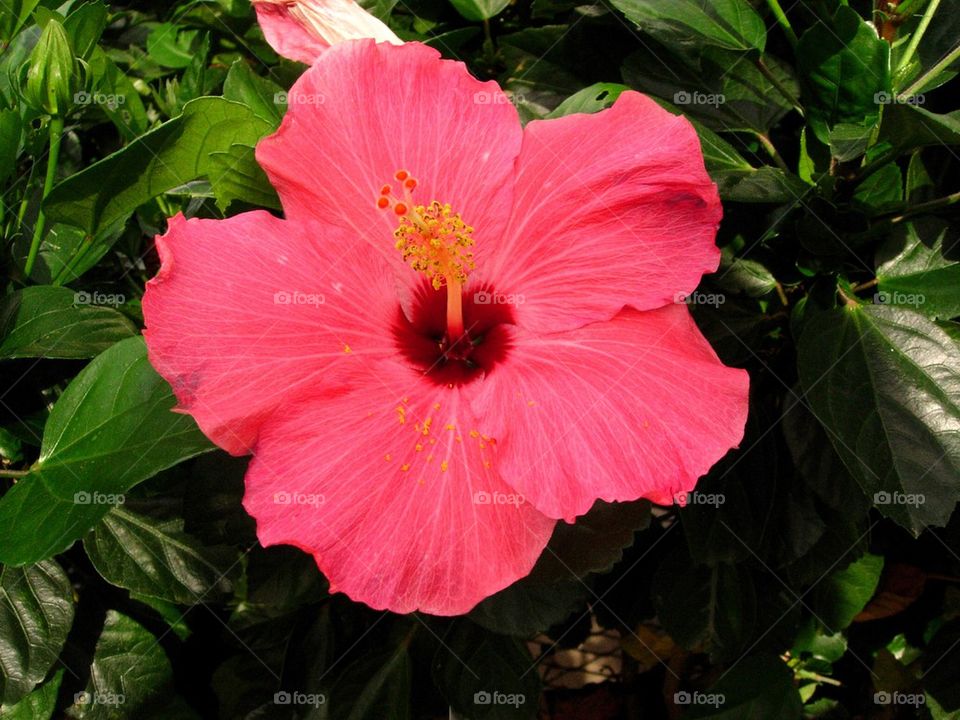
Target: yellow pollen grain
pixel 436 406
pixel 426 426
pixel 531 403
pixel 474 434
pixel 435 241
pixel 401 414
pixel 443 466
pixel 405 467
pixel 449 427
pixel 346 349
pixel 387 457
pixel 459 438
pixel 419 447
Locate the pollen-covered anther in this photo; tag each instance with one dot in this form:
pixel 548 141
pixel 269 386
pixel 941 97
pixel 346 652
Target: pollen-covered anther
pixel 433 239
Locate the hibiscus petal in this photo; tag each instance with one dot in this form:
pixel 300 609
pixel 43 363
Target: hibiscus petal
pixel 365 111
pixel 434 529
pixel 249 312
pixel 638 406
pixel 303 29
pixel 610 209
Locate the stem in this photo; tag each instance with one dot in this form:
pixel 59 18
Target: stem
pixel 865 285
pixel 56 132
pixel 772 151
pixel 918 34
pixel 14 473
pixel 454 309
pixel 779 86
pixel 930 206
pixel 783 22
pixel 946 61
pixel 850 302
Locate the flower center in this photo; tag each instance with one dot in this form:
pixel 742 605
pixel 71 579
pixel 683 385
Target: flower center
pixel 434 241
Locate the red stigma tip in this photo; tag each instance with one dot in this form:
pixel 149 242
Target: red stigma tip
pixel 402 175
pixel 410 184
pixel 382 203
pixel 400 209
pixel 385 190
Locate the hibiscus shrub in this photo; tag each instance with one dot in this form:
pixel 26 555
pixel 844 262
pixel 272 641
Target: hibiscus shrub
pixel 813 570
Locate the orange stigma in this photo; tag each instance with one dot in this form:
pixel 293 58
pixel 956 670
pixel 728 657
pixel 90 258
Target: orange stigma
pixel 435 241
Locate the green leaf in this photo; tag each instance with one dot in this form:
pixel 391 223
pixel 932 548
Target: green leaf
pixel 38 705
pixel 841 595
pixel 922 266
pixel 130 676
pixel 261 95
pixel 142 546
pixel 477 10
pixel 907 127
pixel 759 686
pixel 885 381
pixel 111 429
pixel 238 176
pixel 595 542
pixel 742 275
pixel 84 25
pixel 10 131
pixel 883 190
pixel 722 90
pixel 485 676
pixel 36 612
pixel 589 100
pixel 56 322
pixel 530 606
pixel 171 46
pixel 844 71
pixel 715 607
pixel 729 24
pixel 169 156
pixel 374 688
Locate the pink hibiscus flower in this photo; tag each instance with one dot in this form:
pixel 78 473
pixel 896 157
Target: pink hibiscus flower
pixel 302 29
pixel 462 331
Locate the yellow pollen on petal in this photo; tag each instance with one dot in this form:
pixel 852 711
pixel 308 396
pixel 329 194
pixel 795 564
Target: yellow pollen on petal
pixel 405 467
pixel 444 466
pixel 346 349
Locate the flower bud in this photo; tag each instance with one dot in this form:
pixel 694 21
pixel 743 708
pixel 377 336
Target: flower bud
pixel 53 73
